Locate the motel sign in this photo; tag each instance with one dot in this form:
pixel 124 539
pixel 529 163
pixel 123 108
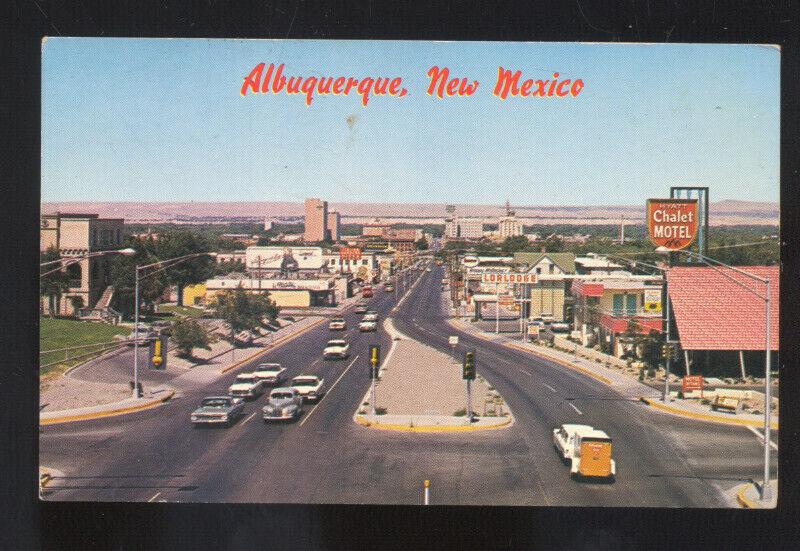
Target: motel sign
pixel 508 277
pixel 672 223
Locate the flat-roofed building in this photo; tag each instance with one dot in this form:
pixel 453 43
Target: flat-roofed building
pixel 333 224
pixel 509 226
pixel 316 220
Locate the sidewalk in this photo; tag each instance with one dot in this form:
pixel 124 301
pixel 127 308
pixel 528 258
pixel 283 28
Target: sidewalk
pixel 421 388
pixel 69 398
pixel 623 382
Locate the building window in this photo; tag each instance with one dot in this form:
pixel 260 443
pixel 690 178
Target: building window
pixel 617 304
pixel 94 236
pixel 119 236
pixel 364 262
pixel 630 304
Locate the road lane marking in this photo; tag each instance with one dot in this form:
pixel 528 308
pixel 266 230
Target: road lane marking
pixel 152 498
pixel 328 391
pixel 548 386
pixel 525 372
pixel 249 417
pixel 576 409
pixel 760 435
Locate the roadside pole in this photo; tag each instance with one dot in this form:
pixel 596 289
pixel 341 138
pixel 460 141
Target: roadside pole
pixel 427 498
pixel 136 339
pixel 372 395
pixel 496 308
pixel 668 359
pixel 766 492
pixel 374 366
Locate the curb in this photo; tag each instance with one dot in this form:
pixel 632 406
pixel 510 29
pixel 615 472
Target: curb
pixel 703 416
pixel 107 413
pixel 272 346
pixel 559 361
pixel 429 428
pixel 44 477
pixel 743 501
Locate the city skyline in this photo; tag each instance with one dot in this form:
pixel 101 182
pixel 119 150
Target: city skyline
pixel 123 116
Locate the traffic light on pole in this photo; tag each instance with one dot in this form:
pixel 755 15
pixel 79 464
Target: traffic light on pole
pixel 374 360
pixel 469 366
pixel 665 353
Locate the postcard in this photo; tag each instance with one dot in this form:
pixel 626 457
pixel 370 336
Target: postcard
pixel 409 272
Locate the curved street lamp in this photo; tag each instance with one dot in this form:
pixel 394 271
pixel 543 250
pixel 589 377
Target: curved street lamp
pixel 65 262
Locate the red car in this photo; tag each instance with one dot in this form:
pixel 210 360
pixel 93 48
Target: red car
pixel 366 291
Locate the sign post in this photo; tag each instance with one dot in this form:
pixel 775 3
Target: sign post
pixel 692 382
pixel 468 373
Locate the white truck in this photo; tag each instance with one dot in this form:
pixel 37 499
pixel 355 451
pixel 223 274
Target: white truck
pixel 586 449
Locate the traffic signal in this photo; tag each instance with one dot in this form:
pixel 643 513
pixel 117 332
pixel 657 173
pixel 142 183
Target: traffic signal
pixel 374 360
pixel 469 366
pixel 665 353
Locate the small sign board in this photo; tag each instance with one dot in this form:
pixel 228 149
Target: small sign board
pixel 692 382
pixel 652 300
pixel 453 340
pixel 533 330
pixel 672 223
pixel 470 261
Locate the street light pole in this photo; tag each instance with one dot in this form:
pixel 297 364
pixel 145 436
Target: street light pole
pixel 136 339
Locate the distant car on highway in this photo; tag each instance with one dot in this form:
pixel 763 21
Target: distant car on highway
pixel 368 326
pixel 309 387
pixel 247 385
pixel 427 269
pixel 360 308
pixel 270 373
pixel 284 403
pixel 389 287
pixel 337 348
pixel 218 410
pixel 337 324
pixel 586 449
pixel 371 315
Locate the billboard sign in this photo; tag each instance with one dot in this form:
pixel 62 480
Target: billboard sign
pixel 672 223
pixel 350 253
pixel 509 277
pixel 470 261
pixel 652 301
pixel 692 382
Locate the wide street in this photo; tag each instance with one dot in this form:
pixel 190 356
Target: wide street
pixel 156 455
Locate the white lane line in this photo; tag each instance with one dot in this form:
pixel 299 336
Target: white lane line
pixel 249 417
pixel 152 498
pixel 548 386
pixel 525 372
pixel 760 435
pixel 576 409
pixel 303 422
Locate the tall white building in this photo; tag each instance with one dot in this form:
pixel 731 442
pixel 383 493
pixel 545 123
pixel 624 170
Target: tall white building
pixel 465 228
pixel 509 226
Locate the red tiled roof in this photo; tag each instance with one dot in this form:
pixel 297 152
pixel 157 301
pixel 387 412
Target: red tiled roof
pixel 713 312
pixel 620 324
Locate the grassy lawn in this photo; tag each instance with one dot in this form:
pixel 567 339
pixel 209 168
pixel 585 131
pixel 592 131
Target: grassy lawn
pixel 64 333
pixel 185 311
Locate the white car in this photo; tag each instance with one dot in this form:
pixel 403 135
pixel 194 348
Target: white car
pixel 270 373
pixel 337 324
pixel 247 385
pixel 586 449
pixel 308 386
pixel 370 316
pixel 367 326
pixel 336 348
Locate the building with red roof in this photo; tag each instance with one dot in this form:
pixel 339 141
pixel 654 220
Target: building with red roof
pixel 719 313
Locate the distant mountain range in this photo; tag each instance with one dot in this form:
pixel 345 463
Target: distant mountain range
pixel 728 212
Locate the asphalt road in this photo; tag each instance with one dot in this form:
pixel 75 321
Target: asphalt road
pixel 156 455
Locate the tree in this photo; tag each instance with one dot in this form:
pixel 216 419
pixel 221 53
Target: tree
pixel 195 270
pixel 188 334
pixel 421 244
pixel 516 243
pixel 222 268
pixel 122 269
pixel 52 285
pixel 244 311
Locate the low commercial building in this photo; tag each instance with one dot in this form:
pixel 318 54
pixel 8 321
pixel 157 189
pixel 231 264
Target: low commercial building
pixel 549 295
pixel 287 293
pixel 605 306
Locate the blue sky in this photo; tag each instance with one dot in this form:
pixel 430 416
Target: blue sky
pixel 163 120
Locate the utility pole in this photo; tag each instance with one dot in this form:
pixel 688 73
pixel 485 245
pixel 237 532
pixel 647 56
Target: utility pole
pixel 496 308
pixel 668 359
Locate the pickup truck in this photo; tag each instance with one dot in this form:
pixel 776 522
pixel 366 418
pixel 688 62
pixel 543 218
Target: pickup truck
pixel 586 449
pixel 308 386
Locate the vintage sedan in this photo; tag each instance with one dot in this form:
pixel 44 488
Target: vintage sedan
pixel 284 404
pixel 247 385
pixel 370 316
pixel 270 373
pixel 367 326
pixel 218 410
pixel 360 308
pixel 336 349
pixel 337 324
pixel 309 387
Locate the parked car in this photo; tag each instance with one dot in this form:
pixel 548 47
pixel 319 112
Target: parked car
pixel 284 403
pixel 218 410
pixel 309 387
pixel 337 324
pixel 336 348
pixel 367 326
pixel 247 385
pixel 243 337
pixel 586 449
pixel 270 373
